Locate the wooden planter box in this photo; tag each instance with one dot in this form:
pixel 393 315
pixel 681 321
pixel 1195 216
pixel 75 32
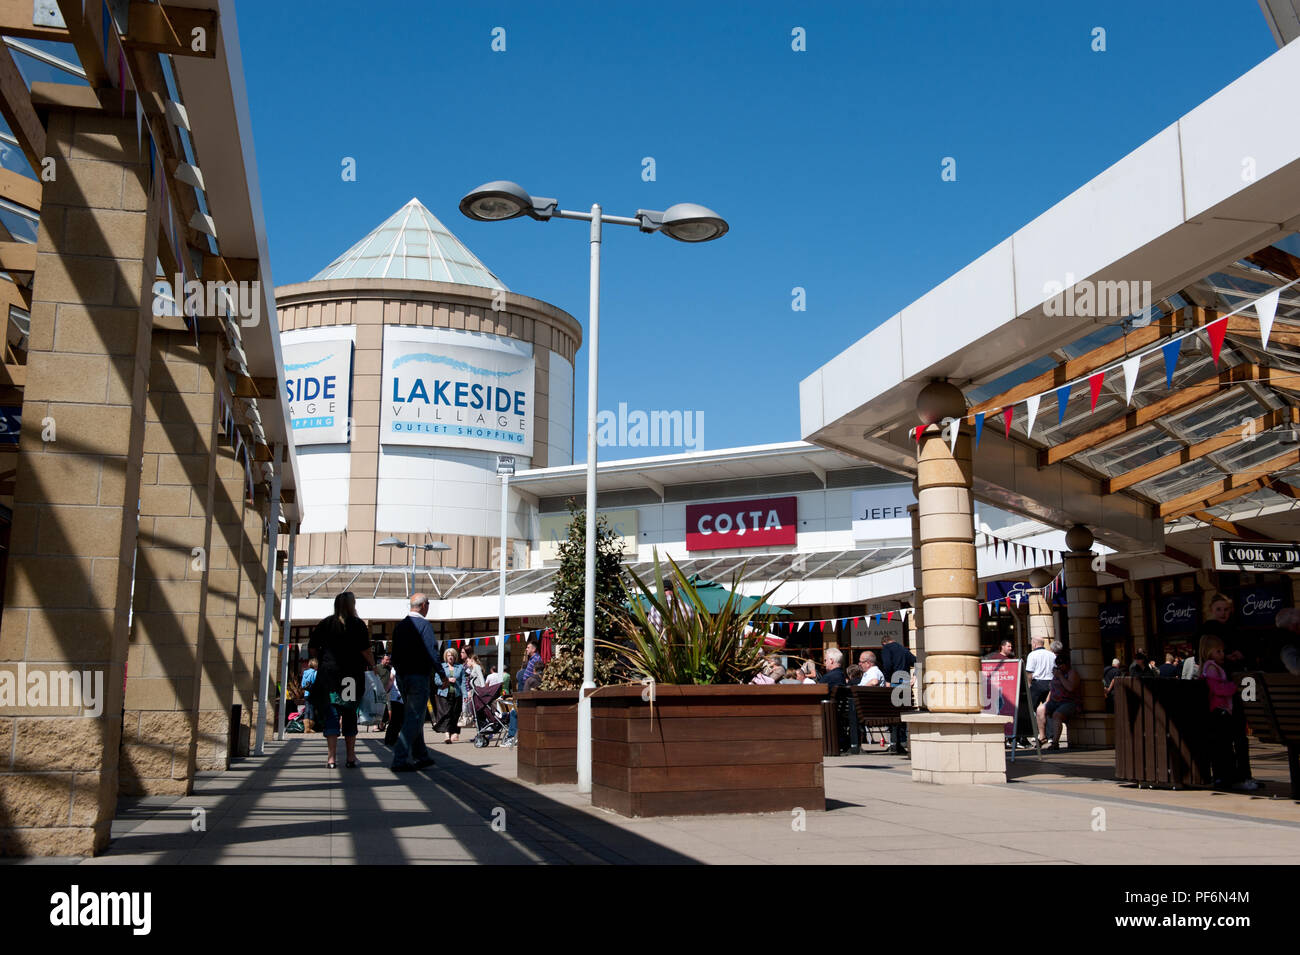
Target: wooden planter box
pixel 548 736
pixel 707 749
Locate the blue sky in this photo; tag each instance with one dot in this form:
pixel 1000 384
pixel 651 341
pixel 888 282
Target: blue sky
pixel 826 163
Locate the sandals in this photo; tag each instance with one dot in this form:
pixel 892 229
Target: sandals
pixel 330 764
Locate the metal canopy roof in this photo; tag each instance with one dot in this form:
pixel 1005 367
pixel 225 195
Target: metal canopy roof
pixel 371 582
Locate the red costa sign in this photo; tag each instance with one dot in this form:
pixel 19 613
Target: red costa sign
pixel 762 522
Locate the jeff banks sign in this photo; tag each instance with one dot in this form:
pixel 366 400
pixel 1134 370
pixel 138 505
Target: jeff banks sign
pixel 880 513
pixel 758 522
pixel 453 389
pixel 317 387
pixel 1244 555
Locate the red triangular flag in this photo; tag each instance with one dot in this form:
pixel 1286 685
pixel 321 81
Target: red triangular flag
pixel 1008 601
pixel 981 610
pixel 890 615
pixel 1217 330
pixel 1006 419
pixel 1094 385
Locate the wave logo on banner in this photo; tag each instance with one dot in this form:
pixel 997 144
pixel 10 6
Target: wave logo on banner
pixel 317 385
pixel 467 396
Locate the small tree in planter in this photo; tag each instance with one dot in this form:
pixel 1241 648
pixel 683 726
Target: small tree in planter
pixel 564 671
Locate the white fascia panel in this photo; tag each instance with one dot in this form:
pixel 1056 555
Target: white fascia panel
pixel 1239 136
pixel 1133 202
pixel 978 300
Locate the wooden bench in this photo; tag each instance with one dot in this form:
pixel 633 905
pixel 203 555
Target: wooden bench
pixel 866 706
pixel 1274 715
pixel 1162 732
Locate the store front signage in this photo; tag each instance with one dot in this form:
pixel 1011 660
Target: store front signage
pixel 11 424
pixel 760 522
pixel 451 389
pixel 553 530
pixel 317 387
pixel 1178 614
pixel 1245 555
pixel 1112 619
pixel 1018 591
pixel 1257 606
pixel 880 513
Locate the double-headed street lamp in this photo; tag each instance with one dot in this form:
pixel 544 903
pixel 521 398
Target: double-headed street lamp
pixel 686 222
pixel 397 542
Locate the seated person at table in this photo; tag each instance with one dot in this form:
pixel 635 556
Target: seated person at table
pixel 872 675
pixel 1065 698
pixel 834 675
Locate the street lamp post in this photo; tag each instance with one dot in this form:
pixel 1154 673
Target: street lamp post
pixel 686 222
pixel 398 542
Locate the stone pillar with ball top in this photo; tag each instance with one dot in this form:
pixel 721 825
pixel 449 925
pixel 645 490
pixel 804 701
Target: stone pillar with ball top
pixel 954 742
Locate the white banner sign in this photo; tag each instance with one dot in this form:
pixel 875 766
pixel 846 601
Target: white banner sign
pixel 880 513
pixel 318 378
pixel 474 393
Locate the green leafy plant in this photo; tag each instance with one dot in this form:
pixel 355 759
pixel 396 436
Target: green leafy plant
pixel 673 638
pixel 564 671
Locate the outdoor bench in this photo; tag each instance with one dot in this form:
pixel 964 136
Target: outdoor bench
pixel 856 707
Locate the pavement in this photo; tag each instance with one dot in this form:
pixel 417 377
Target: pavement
pixel 287 807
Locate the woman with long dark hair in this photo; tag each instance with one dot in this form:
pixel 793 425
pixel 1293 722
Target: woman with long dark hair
pixel 341 642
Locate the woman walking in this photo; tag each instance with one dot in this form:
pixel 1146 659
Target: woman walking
pixel 341 642
pixel 472 677
pixel 448 678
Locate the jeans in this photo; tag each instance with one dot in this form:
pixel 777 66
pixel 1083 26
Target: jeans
pixel 898 732
pixel 396 720
pixel 410 746
pixel 513 726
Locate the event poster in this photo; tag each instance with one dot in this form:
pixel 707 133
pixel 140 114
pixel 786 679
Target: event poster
pixel 1000 690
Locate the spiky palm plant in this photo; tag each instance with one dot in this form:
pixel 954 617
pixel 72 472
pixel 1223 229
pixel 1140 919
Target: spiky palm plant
pixel 672 638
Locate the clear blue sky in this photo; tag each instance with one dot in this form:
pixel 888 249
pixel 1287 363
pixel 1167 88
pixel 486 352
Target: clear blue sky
pixel 826 163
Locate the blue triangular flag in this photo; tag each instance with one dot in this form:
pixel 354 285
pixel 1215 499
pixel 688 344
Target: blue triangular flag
pixel 979 427
pixel 1062 399
pixel 1171 351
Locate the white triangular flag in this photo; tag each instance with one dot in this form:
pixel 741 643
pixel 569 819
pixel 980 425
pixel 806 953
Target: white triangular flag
pixel 1130 377
pixel 1266 308
pixel 956 430
pixel 1031 406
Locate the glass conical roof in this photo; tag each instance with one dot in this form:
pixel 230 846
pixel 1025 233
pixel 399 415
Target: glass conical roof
pixel 411 244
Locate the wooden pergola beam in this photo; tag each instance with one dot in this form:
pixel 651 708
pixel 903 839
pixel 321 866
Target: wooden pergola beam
pixel 1202 496
pixel 163 28
pixel 1249 488
pixel 16 20
pixel 16 106
pixel 85 33
pixel 21 189
pixel 1193 452
pixel 1278 261
pixel 1236 530
pixel 1189 395
pixel 1083 365
pixel 18 256
pixel 1191 560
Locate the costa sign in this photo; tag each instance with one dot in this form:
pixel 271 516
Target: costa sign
pixel 760 522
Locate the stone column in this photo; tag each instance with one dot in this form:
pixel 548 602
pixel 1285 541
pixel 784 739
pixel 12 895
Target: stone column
pixel 68 589
pixel 1041 622
pixel 953 742
pixel 248 627
pixel 165 661
pixel 1083 604
pixel 217 693
pixel 917 633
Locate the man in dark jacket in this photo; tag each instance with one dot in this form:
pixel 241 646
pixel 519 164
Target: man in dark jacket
pixel 415 648
pixel 896 661
pixel 834 675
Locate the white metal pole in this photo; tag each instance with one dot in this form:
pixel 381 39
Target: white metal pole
pixel 411 589
pixel 286 629
pixel 268 615
pixel 501 604
pixel 589 603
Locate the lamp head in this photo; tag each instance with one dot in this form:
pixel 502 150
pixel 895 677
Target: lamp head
pixel 501 200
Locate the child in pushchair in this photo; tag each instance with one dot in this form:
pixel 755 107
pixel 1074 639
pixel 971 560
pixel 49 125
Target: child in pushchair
pixel 487 715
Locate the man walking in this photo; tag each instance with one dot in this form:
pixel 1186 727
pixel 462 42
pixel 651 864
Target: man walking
pixel 897 662
pixel 415 648
pixel 1040 666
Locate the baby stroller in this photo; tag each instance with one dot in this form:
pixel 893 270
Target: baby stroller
pixel 487 717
